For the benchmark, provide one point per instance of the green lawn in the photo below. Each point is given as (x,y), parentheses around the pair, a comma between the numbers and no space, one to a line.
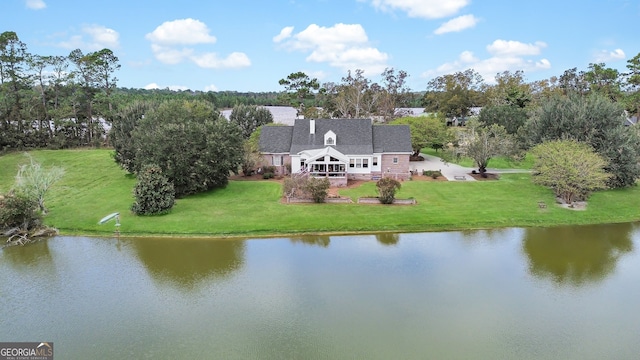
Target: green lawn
(95,186)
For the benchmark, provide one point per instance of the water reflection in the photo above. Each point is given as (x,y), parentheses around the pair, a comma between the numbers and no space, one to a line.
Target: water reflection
(316,240)
(576,255)
(184,263)
(31,256)
(388,239)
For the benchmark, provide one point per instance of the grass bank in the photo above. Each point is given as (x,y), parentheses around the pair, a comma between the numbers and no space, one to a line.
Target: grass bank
(95,186)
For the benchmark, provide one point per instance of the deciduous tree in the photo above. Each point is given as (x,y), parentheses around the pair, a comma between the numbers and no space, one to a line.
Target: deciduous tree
(351,94)
(454,94)
(488,142)
(33,181)
(394,93)
(426,131)
(572,169)
(510,89)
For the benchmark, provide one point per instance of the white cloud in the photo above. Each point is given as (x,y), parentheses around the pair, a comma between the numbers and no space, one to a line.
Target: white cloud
(458,24)
(170,87)
(212,61)
(181,32)
(515,48)
(169,55)
(93,37)
(103,36)
(173,41)
(211,88)
(36,4)
(345,46)
(506,56)
(285,33)
(607,56)
(428,9)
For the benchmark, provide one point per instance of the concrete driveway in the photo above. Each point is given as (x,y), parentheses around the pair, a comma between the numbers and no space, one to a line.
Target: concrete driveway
(451,171)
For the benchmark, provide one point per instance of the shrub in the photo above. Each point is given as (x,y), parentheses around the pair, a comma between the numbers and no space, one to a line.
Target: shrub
(303,186)
(294,186)
(318,189)
(19,211)
(267,175)
(433,173)
(387,189)
(154,192)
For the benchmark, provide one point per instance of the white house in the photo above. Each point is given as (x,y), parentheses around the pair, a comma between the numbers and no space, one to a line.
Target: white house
(338,149)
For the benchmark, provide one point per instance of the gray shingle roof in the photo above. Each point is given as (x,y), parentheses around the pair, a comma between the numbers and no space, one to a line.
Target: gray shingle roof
(353,137)
(275,139)
(391,138)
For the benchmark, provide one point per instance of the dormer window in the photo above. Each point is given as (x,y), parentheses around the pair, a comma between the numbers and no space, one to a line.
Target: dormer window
(329,138)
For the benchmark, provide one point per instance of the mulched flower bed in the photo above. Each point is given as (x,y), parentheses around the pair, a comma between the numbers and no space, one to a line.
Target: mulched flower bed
(490,176)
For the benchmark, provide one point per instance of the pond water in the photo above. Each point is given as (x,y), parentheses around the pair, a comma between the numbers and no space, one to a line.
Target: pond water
(541,293)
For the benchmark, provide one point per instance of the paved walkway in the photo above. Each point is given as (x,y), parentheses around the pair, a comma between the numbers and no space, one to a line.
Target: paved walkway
(453,172)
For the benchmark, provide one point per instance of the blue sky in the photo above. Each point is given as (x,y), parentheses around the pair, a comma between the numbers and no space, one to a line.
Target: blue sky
(248,45)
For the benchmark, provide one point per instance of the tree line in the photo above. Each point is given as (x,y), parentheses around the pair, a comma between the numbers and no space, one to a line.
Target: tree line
(69,101)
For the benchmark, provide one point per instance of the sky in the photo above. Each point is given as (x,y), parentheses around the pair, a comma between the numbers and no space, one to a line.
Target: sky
(249,45)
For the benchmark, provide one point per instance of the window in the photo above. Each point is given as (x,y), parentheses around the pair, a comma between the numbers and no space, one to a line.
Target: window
(395,160)
(277,160)
(365,163)
(375,161)
(302,164)
(330,138)
(358,163)
(352,163)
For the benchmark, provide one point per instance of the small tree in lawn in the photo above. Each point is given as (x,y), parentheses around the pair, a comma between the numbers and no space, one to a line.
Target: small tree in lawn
(154,192)
(387,188)
(33,181)
(572,169)
(487,143)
